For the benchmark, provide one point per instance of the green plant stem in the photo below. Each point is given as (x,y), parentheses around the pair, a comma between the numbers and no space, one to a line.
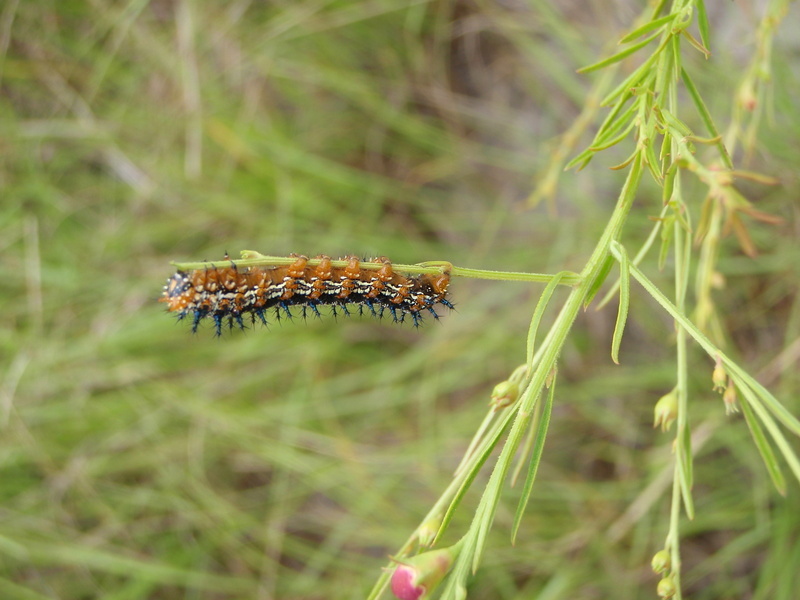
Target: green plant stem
(540,365)
(255,259)
(683,447)
(683,451)
(673,535)
(567,278)
(475,539)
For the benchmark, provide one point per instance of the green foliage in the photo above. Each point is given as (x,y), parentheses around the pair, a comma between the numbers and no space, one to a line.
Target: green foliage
(139,461)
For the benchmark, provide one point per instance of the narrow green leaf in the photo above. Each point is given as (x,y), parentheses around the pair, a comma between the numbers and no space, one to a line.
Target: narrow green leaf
(685,471)
(582,159)
(671,121)
(669,183)
(646,28)
(624,89)
(624,303)
(704,222)
(676,52)
(761,412)
(602,274)
(702,23)
(698,46)
(699,103)
(636,155)
(479,436)
(706,117)
(484,517)
(487,508)
(688,457)
(665,69)
(658,8)
(536,457)
(585,162)
(653,164)
(629,189)
(616,119)
(767,455)
(618,56)
(538,312)
(525,451)
(611,122)
(481,455)
(645,248)
(455,586)
(742,378)
(604,145)
(665,154)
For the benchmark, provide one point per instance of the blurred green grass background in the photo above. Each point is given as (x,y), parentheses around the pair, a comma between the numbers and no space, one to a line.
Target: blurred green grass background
(140,461)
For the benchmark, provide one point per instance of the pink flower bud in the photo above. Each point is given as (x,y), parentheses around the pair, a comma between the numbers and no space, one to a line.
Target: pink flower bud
(415,577)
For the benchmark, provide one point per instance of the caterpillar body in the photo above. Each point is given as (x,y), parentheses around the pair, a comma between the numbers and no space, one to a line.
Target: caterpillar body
(231,294)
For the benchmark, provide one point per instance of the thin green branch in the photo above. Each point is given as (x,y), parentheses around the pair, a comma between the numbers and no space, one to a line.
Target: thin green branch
(536,457)
(624,303)
(255,259)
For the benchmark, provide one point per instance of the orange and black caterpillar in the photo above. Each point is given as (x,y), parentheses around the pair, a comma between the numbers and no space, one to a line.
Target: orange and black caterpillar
(229,294)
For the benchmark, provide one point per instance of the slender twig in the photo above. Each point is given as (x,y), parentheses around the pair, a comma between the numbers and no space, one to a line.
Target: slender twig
(255,259)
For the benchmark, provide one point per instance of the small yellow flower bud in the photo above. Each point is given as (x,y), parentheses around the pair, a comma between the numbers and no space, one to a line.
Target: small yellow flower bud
(729,398)
(661,561)
(666,588)
(504,394)
(719,377)
(666,411)
(428,530)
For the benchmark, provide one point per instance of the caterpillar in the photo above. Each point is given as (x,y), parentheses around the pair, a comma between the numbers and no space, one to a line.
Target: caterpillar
(227,295)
